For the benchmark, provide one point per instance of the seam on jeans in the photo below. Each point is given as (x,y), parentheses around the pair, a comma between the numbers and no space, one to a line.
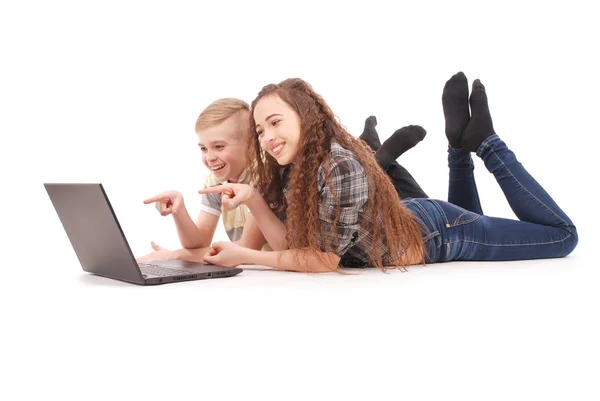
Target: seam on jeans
(459,223)
(425,212)
(503,245)
(456,223)
(458,218)
(445,217)
(434,232)
(526,190)
(448,253)
(439,208)
(431,235)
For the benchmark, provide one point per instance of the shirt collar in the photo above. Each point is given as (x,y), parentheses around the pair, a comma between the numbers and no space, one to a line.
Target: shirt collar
(242,179)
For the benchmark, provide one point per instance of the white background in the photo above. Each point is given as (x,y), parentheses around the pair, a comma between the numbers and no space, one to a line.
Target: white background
(110,91)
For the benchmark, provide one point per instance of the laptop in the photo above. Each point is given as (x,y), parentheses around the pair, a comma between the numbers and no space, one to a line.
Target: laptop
(100,244)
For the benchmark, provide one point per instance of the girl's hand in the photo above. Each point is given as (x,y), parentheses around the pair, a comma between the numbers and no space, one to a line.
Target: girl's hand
(227,254)
(232,194)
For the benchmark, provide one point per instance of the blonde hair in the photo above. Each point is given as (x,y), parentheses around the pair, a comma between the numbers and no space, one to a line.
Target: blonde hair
(220,110)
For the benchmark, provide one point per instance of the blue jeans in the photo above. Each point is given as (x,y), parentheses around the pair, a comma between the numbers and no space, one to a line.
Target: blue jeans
(458,230)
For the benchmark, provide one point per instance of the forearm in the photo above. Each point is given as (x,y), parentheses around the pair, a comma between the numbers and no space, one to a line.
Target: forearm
(189,234)
(250,244)
(299,260)
(272,228)
(192,255)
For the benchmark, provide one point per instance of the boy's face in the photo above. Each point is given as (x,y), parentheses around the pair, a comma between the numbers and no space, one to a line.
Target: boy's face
(223,150)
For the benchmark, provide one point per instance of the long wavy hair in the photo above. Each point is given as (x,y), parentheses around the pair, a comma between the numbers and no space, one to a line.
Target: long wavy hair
(392,224)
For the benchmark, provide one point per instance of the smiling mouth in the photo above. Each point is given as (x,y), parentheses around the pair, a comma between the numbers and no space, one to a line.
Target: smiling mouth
(277,149)
(217,167)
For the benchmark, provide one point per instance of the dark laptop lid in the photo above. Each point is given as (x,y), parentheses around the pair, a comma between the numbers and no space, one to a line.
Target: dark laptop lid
(92,227)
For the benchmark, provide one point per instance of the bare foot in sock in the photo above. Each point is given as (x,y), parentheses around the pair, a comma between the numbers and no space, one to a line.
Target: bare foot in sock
(369,134)
(455,101)
(400,141)
(480,125)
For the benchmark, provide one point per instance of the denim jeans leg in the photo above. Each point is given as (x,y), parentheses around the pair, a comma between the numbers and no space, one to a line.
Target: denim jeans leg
(462,190)
(526,197)
(456,233)
(542,231)
(470,236)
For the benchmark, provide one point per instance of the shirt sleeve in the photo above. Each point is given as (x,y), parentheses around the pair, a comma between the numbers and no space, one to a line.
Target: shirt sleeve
(210,203)
(348,188)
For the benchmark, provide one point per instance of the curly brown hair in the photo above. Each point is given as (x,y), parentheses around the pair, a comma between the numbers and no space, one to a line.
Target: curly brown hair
(319,127)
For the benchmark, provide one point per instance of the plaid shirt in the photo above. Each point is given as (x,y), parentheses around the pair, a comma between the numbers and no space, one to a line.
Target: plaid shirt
(348,183)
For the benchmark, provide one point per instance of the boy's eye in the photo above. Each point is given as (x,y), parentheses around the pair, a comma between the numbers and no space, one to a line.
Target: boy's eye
(202,148)
(219,146)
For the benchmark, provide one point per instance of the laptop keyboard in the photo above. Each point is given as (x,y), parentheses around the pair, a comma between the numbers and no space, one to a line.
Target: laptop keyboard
(155,270)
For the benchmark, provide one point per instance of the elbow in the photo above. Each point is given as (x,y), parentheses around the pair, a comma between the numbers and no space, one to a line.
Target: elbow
(281,244)
(326,263)
(196,244)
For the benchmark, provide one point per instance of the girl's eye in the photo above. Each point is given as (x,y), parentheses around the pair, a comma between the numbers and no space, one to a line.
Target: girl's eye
(275,122)
(259,133)
(203,149)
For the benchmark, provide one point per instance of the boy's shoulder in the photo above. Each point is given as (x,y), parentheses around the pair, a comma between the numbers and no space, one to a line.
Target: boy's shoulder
(210,180)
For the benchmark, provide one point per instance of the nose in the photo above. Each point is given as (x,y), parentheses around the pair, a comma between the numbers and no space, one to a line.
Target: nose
(268,136)
(210,156)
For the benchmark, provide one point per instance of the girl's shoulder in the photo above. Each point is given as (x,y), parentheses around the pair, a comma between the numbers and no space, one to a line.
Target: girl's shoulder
(341,167)
(341,159)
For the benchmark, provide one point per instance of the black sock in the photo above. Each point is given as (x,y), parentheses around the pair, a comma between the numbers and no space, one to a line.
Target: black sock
(480,125)
(369,134)
(455,101)
(400,141)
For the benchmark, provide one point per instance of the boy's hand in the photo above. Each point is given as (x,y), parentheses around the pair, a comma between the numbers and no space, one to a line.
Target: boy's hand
(167,203)
(159,253)
(232,194)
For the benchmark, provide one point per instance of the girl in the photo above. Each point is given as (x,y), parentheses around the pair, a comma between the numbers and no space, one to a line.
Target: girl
(322,200)
(222,129)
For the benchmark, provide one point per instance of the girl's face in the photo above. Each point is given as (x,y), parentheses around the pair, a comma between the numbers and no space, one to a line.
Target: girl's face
(278,129)
(223,150)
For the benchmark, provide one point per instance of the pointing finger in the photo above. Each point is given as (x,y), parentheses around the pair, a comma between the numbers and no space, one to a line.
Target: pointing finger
(154,199)
(214,190)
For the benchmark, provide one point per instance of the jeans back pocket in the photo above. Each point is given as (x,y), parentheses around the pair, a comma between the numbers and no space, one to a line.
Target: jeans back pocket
(454,215)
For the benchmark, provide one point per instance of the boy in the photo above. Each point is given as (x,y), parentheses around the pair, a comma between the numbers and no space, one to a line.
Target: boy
(221,129)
